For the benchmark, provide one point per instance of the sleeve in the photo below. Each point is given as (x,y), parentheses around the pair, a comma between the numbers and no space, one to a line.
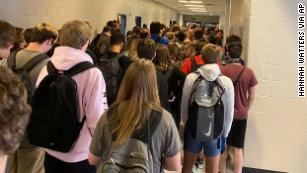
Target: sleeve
(172,141)
(96,143)
(186,67)
(228,100)
(95,101)
(186,93)
(253,82)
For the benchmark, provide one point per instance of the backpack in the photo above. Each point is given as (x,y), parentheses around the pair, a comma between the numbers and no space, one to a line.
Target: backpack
(171,92)
(206,110)
(23,72)
(136,154)
(111,71)
(54,123)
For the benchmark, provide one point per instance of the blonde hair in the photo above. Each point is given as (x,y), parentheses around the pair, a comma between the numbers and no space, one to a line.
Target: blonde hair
(75,34)
(210,53)
(137,96)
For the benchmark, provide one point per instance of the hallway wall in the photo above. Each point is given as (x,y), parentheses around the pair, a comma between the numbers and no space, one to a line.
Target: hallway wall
(28,13)
(277,134)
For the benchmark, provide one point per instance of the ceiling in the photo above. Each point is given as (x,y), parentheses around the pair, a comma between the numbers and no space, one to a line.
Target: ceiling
(209,7)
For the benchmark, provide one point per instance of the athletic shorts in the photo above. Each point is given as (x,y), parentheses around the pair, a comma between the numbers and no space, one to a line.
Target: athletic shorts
(210,148)
(236,136)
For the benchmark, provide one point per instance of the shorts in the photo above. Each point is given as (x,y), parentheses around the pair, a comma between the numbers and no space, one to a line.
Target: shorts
(210,148)
(236,136)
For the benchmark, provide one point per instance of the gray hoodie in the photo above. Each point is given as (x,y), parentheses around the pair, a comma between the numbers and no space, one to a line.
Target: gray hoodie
(210,72)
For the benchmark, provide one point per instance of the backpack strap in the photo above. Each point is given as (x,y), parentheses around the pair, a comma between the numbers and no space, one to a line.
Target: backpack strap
(193,63)
(11,60)
(29,65)
(78,68)
(238,77)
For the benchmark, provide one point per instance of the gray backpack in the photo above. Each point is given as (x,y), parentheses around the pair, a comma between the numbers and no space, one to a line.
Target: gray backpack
(206,110)
(136,154)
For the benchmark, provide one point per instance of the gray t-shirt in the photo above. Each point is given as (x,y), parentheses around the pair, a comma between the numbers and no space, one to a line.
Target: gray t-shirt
(23,56)
(165,140)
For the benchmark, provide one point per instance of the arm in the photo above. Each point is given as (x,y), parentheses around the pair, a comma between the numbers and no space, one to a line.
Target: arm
(251,96)
(93,159)
(172,163)
(228,107)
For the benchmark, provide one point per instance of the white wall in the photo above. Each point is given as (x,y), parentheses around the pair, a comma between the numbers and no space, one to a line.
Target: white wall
(27,13)
(277,127)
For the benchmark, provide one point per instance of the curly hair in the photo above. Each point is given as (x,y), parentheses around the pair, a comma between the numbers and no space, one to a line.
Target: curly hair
(14,111)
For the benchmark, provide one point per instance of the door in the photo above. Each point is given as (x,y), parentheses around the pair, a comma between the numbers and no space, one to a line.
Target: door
(122,22)
(138,21)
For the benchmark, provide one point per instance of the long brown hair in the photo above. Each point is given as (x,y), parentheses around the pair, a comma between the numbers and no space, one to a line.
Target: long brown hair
(163,58)
(137,96)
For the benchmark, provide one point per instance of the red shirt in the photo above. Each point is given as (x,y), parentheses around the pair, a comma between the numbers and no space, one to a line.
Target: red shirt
(247,80)
(187,64)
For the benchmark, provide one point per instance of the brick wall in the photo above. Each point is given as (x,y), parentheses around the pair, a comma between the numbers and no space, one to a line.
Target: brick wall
(277,127)
(27,13)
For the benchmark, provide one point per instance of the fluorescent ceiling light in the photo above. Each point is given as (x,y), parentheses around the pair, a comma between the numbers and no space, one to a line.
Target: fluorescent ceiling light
(195,8)
(189,5)
(199,10)
(192,2)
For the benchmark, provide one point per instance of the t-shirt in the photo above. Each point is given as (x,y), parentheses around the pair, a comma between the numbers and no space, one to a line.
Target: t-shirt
(165,141)
(187,64)
(247,80)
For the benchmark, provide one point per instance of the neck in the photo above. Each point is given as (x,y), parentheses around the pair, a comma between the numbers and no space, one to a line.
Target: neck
(35,47)
(3,159)
(116,48)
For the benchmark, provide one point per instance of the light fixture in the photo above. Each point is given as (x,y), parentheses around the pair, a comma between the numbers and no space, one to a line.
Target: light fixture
(192,2)
(190,5)
(197,8)
(201,11)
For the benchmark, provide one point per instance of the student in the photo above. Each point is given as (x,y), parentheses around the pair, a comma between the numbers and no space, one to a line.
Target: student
(14,113)
(113,65)
(7,33)
(212,148)
(29,158)
(136,99)
(74,38)
(175,79)
(194,61)
(244,81)
(155,33)
(146,48)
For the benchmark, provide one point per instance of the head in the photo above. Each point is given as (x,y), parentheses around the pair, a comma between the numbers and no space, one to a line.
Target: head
(136,30)
(181,36)
(103,44)
(219,33)
(7,33)
(187,50)
(146,48)
(139,91)
(75,34)
(19,41)
(117,40)
(170,36)
(198,33)
(28,35)
(163,58)
(44,35)
(175,28)
(174,51)
(131,46)
(233,38)
(14,111)
(145,26)
(235,50)
(155,27)
(107,30)
(210,54)
(144,34)
(198,46)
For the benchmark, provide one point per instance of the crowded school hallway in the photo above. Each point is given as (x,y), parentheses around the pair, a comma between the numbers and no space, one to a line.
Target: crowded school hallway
(152,86)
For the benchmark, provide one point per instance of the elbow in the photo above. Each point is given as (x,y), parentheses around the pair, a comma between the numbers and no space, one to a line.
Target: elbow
(93,160)
(172,163)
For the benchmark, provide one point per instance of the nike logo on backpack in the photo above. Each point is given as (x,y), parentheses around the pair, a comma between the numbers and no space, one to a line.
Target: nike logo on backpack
(209,131)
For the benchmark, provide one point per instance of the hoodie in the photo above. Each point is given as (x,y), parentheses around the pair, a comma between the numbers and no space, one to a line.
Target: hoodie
(91,99)
(210,72)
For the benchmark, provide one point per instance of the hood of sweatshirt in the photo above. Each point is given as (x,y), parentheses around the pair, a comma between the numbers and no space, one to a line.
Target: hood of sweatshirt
(66,57)
(210,71)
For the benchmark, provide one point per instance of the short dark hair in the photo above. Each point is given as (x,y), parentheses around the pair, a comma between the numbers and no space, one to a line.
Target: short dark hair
(210,53)
(181,36)
(144,25)
(155,27)
(233,38)
(43,32)
(14,111)
(107,29)
(117,38)
(198,46)
(146,48)
(198,33)
(136,30)
(27,34)
(7,34)
(235,50)
(144,34)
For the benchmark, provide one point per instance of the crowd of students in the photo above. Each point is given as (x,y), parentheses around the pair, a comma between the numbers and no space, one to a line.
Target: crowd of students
(142,84)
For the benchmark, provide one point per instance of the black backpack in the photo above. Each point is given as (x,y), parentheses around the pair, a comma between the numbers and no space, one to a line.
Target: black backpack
(206,110)
(54,123)
(112,73)
(23,72)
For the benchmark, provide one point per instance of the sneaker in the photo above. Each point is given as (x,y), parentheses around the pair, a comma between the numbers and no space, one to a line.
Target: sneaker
(195,169)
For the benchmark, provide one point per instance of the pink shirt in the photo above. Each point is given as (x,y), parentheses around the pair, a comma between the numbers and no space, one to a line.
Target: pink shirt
(91,97)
